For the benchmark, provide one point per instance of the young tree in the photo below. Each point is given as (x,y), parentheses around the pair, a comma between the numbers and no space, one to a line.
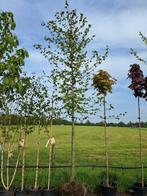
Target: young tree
(103,82)
(52,112)
(41,105)
(137,85)
(7,136)
(11,63)
(33,102)
(25,108)
(67,44)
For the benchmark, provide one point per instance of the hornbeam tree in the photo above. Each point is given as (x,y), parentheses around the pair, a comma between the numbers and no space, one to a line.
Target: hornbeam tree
(67,51)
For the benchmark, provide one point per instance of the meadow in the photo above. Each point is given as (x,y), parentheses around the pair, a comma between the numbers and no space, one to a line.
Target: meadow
(123,149)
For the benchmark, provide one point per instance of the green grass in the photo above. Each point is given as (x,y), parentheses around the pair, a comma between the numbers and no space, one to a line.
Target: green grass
(123,147)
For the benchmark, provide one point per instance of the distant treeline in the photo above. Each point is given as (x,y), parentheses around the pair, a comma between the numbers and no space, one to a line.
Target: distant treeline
(33,120)
(30,120)
(112,124)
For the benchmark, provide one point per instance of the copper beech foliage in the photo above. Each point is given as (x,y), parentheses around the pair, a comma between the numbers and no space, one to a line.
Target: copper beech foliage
(145,88)
(102,82)
(138,81)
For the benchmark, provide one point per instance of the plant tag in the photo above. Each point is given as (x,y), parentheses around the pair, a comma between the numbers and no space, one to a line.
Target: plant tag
(10,154)
(21,143)
(50,141)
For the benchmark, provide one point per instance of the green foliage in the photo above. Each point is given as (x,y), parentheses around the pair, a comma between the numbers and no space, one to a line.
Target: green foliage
(11,59)
(8,135)
(50,81)
(135,53)
(67,42)
(34,101)
(102,82)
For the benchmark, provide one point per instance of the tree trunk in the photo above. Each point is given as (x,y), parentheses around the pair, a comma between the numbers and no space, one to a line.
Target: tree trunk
(73,127)
(49,167)
(7,170)
(50,150)
(140,144)
(2,170)
(15,170)
(73,150)
(8,181)
(53,160)
(106,145)
(23,158)
(51,147)
(37,158)
(9,149)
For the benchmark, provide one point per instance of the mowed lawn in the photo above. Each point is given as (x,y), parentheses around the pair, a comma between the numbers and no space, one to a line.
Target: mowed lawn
(123,148)
(123,145)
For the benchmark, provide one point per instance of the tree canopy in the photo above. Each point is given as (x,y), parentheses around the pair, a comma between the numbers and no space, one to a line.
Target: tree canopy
(11,59)
(67,42)
(102,82)
(138,81)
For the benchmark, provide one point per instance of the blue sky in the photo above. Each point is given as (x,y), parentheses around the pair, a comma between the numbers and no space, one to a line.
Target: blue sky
(115,23)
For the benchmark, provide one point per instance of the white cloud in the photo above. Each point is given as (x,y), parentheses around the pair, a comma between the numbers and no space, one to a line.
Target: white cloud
(119,29)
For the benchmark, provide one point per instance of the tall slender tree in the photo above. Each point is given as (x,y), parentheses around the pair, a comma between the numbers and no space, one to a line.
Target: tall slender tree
(52,112)
(41,104)
(67,51)
(102,82)
(25,108)
(137,85)
(12,60)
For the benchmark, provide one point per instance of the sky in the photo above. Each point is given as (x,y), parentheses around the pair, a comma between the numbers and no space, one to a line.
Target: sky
(115,23)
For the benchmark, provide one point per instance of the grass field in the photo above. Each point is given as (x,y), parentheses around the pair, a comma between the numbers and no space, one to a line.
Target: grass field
(123,151)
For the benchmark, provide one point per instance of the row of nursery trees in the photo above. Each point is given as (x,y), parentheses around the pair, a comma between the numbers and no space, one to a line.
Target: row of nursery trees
(64,92)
